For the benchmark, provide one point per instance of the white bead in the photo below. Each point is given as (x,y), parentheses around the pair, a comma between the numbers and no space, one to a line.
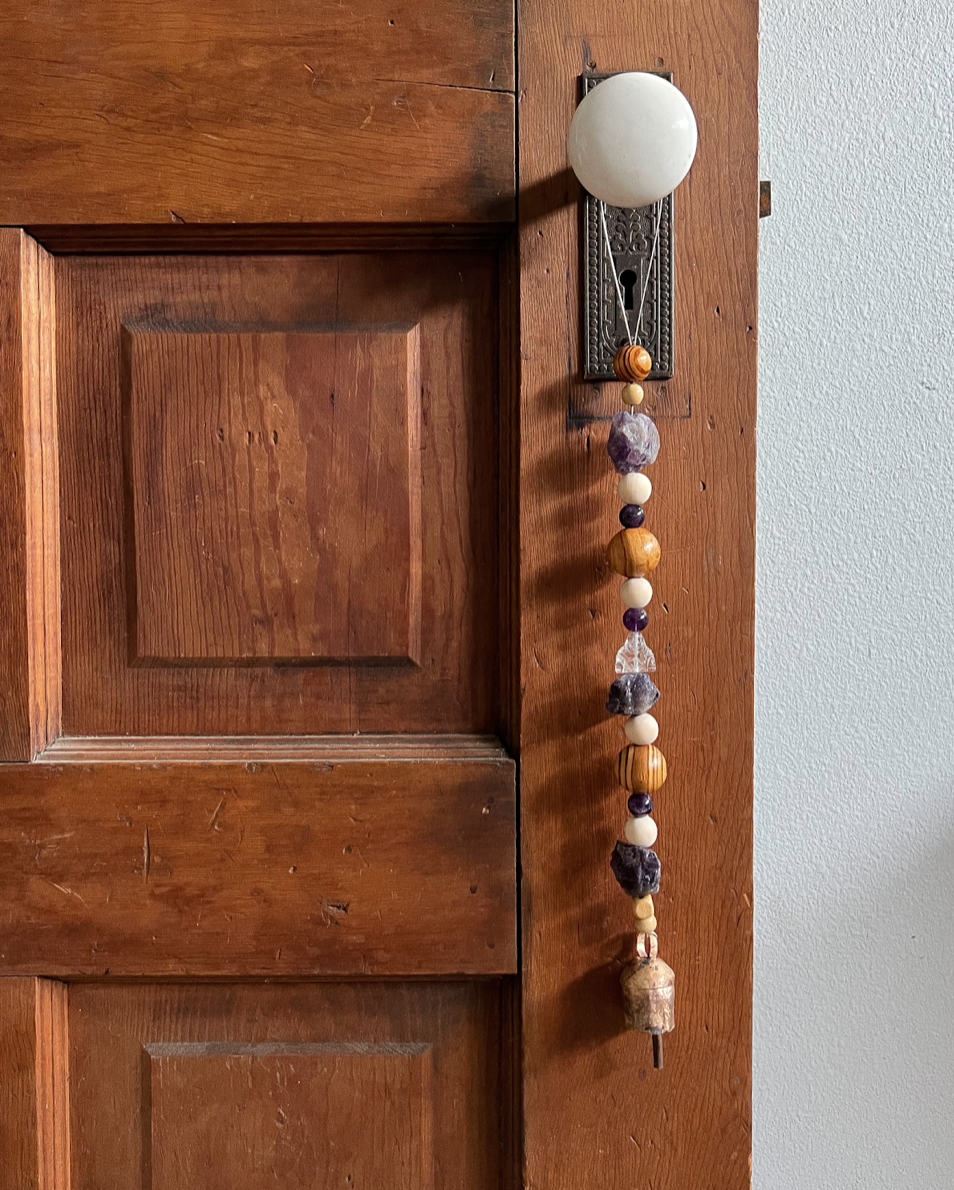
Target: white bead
(636,592)
(632,139)
(641,729)
(641,832)
(634,488)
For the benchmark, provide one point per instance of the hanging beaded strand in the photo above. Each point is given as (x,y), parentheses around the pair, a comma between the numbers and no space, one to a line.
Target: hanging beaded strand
(648,983)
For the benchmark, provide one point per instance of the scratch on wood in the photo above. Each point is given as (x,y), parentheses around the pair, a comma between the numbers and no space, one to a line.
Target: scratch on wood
(443,86)
(146,856)
(214,820)
(332,910)
(69,892)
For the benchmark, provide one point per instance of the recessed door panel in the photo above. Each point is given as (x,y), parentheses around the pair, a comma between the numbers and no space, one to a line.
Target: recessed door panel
(280,499)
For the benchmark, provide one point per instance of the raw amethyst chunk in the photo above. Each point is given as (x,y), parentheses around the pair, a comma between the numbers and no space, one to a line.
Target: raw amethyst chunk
(633,442)
(636,869)
(632,694)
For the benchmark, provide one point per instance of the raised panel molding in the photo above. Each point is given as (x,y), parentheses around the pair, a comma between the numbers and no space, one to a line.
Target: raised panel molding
(301,1115)
(30,673)
(368,1085)
(273,494)
(344,579)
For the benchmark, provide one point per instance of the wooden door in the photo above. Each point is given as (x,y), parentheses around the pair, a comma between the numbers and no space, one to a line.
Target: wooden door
(301,533)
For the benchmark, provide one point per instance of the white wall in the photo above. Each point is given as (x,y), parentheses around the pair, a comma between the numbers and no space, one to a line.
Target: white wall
(854,967)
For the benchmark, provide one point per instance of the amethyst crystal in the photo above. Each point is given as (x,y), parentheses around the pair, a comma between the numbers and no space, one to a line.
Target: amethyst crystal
(636,869)
(635,619)
(632,694)
(633,442)
(631,516)
(639,804)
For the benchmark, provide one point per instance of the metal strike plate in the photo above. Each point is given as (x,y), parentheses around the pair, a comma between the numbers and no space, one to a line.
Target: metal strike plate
(631,236)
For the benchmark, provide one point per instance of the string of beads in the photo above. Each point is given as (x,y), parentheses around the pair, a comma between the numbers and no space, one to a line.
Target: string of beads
(634,553)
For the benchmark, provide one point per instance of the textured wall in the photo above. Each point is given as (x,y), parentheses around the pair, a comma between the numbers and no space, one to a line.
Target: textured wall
(854,970)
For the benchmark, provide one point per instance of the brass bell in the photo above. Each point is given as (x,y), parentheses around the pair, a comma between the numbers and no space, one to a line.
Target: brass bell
(649,995)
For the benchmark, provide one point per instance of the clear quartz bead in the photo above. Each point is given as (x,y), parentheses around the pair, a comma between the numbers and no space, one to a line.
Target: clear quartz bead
(635,657)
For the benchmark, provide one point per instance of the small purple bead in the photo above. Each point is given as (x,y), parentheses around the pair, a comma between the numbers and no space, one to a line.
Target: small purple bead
(639,804)
(629,619)
(631,516)
(640,618)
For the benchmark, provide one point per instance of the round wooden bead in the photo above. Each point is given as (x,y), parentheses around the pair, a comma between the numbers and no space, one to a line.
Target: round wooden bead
(641,770)
(646,925)
(643,908)
(636,592)
(632,395)
(634,488)
(632,363)
(641,729)
(641,832)
(634,552)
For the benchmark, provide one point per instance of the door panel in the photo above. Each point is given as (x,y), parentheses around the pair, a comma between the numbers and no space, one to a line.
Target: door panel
(322,866)
(235,111)
(198,1086)
(310,476)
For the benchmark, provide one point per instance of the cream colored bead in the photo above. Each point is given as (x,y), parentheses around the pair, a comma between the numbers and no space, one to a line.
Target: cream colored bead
(632,395)
(646,925)
(636,592)
(634,488)
(641,729)
(641,832)
(643,908)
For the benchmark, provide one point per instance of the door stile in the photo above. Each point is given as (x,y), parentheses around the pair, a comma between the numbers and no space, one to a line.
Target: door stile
(29,501)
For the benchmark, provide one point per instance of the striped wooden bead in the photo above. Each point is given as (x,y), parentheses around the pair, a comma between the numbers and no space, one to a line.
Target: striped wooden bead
(641,770)
(632,364)
(634,552)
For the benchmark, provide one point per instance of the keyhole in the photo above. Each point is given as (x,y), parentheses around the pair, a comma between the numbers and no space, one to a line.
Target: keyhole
(628,281)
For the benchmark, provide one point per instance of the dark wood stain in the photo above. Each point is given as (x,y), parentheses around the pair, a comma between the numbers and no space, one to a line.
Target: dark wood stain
(590,1116)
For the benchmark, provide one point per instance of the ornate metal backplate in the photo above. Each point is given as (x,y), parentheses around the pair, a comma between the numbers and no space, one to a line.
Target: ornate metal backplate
(631,236)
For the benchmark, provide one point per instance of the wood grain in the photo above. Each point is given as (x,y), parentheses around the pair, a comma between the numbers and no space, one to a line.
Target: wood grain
(29,626)
(245,869)
(331,749)
(451,299)
(229,112)
(271,519)
(595,1111)
(52,1091)
(16,734)
(253,1085)
(207,238)
(19,1151)
(293,1114)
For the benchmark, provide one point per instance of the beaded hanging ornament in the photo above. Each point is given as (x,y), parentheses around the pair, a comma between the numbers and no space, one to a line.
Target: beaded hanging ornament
(648,983)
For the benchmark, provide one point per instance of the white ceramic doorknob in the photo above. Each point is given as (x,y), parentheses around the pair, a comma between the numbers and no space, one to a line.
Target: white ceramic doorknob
(632,139)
